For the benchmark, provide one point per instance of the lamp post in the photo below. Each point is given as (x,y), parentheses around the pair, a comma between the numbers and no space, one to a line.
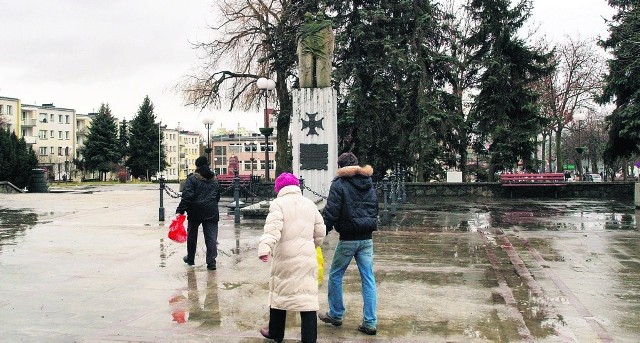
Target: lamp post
(208,122)
(266,85)
(579,117)
(253,146)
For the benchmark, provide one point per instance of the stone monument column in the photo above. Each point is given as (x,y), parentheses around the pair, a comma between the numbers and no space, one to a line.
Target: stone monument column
(314,126)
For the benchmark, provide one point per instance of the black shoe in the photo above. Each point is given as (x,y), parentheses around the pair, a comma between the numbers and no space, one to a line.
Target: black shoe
(367,330)
(211,266)
(265,333)
(325,317)
(187,261)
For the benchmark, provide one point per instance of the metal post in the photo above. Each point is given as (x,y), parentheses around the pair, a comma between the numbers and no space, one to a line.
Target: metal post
(236,196)
(385,211)
(394,194)
(404,185)
(161,209)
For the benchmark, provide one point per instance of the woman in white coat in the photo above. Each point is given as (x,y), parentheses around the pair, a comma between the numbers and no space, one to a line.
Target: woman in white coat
(292,231)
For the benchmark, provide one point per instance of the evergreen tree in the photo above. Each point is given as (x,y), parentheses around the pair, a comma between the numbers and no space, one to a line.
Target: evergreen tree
(505,114)
(123,138)
(391,107)
(102,151)
(622,83)
(16,159)
(143,142)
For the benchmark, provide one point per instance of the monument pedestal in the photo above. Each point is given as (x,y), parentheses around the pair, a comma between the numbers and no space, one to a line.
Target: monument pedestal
(314,136)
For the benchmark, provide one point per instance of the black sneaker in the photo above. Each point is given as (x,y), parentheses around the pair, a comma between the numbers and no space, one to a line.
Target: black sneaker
(367,330)
(211,266)
(325,317)
(187,261)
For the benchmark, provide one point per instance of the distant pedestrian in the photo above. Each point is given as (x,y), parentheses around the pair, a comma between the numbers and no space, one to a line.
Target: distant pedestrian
(292,231)
(200,198)
(352,210)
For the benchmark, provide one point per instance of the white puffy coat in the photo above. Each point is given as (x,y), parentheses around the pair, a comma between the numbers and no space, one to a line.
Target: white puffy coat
(292,231)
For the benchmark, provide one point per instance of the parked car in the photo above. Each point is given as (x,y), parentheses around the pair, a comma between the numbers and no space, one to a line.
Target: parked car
(593,177)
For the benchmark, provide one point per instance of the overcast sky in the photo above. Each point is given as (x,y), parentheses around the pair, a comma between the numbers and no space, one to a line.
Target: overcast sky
(81,53)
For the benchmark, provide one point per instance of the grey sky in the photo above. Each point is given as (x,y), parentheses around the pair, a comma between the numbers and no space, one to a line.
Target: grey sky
(81,53)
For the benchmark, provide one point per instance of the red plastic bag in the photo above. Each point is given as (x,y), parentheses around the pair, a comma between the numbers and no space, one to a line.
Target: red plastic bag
(177,232)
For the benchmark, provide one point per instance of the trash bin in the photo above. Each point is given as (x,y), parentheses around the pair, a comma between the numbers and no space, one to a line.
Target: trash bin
(38,181)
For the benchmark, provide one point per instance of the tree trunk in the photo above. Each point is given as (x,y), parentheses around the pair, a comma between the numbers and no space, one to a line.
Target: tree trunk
(559,157)
(542,155)
(283,155)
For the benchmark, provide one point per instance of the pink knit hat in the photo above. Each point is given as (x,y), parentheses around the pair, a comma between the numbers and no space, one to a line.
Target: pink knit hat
(286,179)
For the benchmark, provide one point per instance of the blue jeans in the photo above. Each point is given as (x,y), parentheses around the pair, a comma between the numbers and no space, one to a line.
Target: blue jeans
(363,253)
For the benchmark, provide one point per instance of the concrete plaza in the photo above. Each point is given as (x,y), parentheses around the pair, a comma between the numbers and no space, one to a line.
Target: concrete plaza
(94,264)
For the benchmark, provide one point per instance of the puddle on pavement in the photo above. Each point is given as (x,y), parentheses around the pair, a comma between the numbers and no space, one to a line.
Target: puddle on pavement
(14,223)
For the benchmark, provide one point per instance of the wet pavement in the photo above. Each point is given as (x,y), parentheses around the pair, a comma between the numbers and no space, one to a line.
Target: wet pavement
(98,267)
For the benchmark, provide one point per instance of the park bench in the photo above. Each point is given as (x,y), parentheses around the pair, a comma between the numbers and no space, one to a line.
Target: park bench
(226,180)
(533,180)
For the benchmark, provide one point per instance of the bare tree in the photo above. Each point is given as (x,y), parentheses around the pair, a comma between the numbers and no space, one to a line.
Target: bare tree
(252,39)
(573,85)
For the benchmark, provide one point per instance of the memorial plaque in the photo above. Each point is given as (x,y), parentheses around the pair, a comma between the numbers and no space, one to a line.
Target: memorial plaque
(314,156)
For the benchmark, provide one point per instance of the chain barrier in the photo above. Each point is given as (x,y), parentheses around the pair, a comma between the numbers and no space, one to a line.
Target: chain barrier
(170,192)
(253,195)
(224,192)
(315,193)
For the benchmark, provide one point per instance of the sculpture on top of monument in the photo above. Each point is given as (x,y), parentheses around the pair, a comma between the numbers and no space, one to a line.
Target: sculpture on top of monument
(315,51)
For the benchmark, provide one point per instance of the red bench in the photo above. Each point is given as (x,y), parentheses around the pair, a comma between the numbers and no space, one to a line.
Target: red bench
(533,180)
(226,180)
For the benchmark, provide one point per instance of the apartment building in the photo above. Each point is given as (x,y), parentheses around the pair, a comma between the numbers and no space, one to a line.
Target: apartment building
(181,149)
(249,148)
(9,108)
(51,133)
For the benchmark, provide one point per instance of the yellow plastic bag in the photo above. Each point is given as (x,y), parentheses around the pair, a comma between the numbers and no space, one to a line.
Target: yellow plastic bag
(320,265)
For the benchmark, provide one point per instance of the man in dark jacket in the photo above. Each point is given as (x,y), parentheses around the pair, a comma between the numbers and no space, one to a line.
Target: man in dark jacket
(352,210)
(200,198)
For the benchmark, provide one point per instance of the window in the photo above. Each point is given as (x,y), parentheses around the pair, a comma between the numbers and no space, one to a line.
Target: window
(235,148)
(220,150)
(9,109)
(51,134)
(59,134)
(52,118)
(66,151)
(59,118)
(51,151)
(42,134)
(66,119)
(66,135)
(24,115)
(43,150)
(43,117)
(1,109)
(59,151)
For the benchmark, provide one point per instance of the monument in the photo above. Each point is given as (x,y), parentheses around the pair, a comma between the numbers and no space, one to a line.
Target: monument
(314,127)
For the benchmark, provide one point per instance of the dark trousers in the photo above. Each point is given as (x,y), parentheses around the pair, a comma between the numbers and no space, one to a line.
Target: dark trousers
(309,327)
(210,231)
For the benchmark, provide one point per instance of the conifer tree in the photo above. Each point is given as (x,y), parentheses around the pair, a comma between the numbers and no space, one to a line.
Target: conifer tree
(505,114)
(16,159)
(143,142)
(102,151)
(622,82)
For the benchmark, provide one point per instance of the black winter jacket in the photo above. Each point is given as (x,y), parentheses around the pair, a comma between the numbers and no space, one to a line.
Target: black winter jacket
(352,205)
(200,196)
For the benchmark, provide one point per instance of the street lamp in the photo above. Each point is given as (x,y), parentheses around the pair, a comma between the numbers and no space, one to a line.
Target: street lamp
(266,85)
(208,122)
(579,117)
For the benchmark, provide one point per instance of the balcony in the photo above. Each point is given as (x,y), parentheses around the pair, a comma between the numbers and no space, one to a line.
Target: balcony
(29,122)
(30,139)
